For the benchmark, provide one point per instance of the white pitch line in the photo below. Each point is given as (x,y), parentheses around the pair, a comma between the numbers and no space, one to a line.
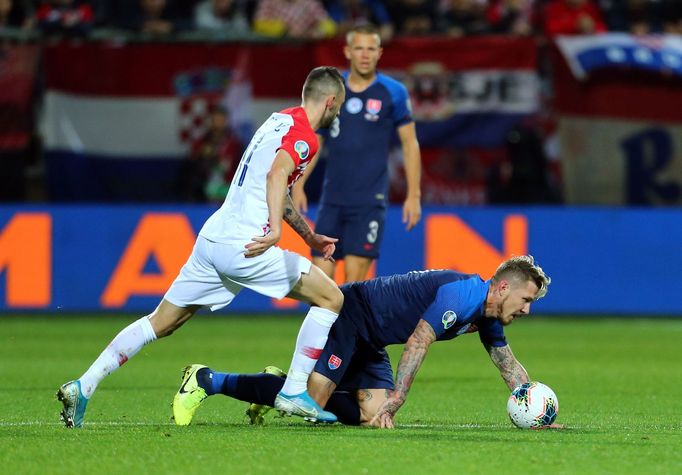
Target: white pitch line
(155,424)
(89,424)
(452,426)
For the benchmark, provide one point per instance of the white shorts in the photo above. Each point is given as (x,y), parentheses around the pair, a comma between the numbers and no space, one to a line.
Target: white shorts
(215,273)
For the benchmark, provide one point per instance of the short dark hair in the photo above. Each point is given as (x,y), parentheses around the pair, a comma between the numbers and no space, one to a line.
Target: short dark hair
(322,81)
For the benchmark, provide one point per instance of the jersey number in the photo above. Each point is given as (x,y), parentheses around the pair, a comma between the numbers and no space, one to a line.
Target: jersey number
(244,164)
(373,232)
(335,128)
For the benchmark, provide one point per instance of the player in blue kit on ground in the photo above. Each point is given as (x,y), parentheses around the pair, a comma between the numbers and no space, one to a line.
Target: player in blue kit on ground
(353,378)
(356,182)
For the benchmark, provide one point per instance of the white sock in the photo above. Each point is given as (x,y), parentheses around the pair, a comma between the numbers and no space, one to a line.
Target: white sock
(123,347)
(311,340)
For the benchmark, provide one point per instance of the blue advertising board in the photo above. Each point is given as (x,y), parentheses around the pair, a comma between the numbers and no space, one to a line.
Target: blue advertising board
(122,258)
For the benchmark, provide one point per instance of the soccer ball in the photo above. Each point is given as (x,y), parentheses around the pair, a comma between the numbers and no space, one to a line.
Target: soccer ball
(532,406)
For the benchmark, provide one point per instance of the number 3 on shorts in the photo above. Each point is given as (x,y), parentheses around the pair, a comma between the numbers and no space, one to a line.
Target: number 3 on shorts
(373,232)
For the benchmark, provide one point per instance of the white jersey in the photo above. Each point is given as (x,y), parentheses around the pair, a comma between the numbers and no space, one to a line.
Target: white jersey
(244,214)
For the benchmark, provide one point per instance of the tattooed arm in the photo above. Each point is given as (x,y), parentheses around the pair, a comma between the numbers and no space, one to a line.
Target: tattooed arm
(412,358)
(294,219)
(320,242)
(510,369)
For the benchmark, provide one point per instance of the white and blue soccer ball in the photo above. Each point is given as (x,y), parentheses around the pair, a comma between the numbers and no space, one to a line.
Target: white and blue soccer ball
(532,406)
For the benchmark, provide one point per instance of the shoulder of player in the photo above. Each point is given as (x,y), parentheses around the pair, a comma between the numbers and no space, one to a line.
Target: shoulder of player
(465,286)
(299,127)
(393,86)
(449,276)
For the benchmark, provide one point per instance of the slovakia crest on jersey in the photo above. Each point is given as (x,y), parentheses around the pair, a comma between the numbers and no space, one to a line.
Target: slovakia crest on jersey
(302,149)
(373,106)
(354,105)
(334,362)
(449,319)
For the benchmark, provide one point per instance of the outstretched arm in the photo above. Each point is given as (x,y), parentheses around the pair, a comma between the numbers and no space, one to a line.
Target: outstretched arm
(413,355)
(513,373)
(511,370)
(294,219)
(320,242)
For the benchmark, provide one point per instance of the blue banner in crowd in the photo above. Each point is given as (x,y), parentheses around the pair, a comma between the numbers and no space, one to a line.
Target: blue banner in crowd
(122,258)
(660,53)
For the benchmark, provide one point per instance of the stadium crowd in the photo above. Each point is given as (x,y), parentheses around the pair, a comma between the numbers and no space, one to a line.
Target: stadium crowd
(213,157)
(312,19)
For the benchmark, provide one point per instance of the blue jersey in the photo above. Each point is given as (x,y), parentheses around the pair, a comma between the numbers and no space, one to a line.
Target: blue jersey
(386,310)
(358,142)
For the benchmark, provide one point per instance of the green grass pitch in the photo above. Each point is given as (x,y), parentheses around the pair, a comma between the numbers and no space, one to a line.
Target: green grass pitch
(618,381)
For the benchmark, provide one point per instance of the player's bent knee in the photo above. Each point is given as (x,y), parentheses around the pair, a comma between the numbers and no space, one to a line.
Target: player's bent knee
(331,298)
(169,317)
(335,299)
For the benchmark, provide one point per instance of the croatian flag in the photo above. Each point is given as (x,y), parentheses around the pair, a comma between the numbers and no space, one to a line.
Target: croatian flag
(120,119)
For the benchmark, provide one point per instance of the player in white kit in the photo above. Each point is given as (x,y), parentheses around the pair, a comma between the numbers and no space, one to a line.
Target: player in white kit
(236,248)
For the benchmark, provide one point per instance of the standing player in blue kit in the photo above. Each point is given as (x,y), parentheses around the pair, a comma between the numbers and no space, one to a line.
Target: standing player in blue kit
(355,191)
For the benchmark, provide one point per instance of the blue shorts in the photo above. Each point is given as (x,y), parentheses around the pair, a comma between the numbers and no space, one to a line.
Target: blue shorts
(351,362)
(360,229)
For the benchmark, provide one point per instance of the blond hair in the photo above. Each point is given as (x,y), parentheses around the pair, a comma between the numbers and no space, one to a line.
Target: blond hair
(364,29)
(524,269)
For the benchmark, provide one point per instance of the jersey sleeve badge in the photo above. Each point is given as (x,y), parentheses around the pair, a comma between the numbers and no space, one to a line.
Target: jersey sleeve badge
(302,149)
(449,319)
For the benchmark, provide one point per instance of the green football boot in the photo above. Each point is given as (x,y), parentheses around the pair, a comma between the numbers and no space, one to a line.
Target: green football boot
(256,412)
(189,397)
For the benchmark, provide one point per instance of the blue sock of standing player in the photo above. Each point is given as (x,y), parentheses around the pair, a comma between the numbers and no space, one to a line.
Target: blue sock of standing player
(262,388)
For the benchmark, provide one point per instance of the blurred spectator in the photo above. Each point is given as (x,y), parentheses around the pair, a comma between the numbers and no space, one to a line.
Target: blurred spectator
(154,18)
(525,179)
(293,19)
(415,17)
(103,11)
(213,160)
(511,17)
(221,16)
(64,17)
(462,18)
(15,14)
(672,16)
(573,17)
(639,17)
(350,13)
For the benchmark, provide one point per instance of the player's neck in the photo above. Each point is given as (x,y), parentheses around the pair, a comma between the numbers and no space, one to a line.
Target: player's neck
(313,114)
(358,82)
(489,304)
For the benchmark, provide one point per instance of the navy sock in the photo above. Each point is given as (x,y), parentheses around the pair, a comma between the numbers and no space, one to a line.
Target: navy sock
(345,407)
(260,388)
(212,381)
